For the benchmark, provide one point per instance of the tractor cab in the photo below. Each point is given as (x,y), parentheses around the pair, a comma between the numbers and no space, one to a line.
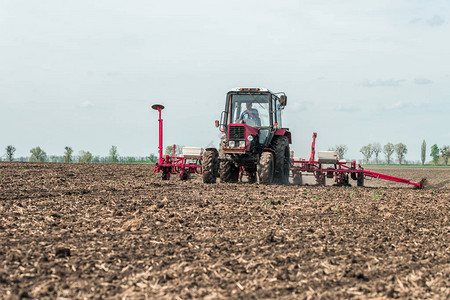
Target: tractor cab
(250,118)
(266,104)
(249,109)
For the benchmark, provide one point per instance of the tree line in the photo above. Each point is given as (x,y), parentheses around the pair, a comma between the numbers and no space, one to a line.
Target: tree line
(439,155)
(39,155)
(389,149)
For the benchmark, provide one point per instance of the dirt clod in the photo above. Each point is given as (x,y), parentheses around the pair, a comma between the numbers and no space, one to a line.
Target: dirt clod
(62,252)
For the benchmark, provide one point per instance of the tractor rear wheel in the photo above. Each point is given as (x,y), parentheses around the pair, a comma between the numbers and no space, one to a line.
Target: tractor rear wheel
(280,144)
(266,168)
(209,166)
(228,172)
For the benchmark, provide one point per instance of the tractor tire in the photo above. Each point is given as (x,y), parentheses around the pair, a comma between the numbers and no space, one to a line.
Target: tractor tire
(209,166)
(280,144)
(360,179)
(266,168)
(228,172)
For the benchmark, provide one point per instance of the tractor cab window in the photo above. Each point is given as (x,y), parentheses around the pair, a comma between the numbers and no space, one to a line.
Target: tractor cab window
(250,109)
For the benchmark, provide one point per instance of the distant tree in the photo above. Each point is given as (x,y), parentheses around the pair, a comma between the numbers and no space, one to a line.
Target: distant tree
(445,151)
(367,152)
(153,158)
(113,155)
(388,150)
(178,148)
(169,150)
(10,152)
(85,157)
(423,152)
(435,153)
(376,148)
(400,150)
(38,155)
(68,154)
(340,150)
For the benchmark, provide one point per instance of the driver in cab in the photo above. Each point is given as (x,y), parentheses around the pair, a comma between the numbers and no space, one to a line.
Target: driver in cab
(250,113)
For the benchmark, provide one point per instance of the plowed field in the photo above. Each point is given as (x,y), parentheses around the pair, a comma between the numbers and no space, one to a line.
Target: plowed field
(115,231)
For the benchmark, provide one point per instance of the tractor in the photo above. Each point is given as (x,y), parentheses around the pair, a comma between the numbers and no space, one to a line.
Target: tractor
(254,142)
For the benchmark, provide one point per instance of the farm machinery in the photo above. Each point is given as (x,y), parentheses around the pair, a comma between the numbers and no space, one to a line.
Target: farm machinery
(329,166)
(188,163)
(255,145)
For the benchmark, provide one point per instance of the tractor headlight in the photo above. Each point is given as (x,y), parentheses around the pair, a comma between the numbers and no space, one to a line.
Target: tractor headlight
(242,144)
(231,143)
(250,138)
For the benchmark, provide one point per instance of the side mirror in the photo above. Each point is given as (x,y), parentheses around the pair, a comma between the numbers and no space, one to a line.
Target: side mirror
(217,123)
(283,100)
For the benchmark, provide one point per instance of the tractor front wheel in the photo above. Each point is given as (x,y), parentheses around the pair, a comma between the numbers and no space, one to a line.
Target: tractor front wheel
(209,166)
(228,172)
(266,168)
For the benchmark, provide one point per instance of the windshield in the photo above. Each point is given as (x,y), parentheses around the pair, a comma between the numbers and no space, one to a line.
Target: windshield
(250,109)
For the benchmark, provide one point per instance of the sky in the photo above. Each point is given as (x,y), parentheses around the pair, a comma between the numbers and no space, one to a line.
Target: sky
(85,73)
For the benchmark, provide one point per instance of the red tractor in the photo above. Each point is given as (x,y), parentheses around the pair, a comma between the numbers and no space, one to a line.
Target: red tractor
(254,143)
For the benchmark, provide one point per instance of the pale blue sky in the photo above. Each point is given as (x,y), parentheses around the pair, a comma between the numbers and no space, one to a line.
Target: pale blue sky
(85,73)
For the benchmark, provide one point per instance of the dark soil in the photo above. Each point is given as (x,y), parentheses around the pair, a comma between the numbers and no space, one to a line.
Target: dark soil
(115,231)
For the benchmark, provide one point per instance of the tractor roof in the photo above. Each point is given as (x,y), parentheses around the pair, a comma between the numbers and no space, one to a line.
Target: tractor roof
(239,89)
